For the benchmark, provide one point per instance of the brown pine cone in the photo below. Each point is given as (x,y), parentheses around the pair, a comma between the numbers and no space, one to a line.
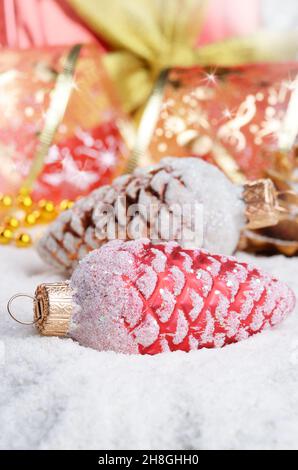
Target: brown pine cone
(161,189)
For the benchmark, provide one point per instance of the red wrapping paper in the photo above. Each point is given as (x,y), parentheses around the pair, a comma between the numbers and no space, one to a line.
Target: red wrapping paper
(88,149)
(236,111)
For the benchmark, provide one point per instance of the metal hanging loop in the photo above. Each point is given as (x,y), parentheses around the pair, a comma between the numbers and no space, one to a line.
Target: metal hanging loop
(9,305)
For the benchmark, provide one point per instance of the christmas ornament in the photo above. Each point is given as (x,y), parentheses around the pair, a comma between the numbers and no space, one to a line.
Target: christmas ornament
(187,200)
(233,117)
(282,237)
(62,133)
(140,298)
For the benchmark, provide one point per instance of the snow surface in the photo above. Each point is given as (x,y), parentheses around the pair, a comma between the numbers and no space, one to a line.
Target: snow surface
(55,394)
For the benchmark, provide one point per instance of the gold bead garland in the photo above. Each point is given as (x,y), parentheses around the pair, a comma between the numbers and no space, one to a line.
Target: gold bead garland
(23,240)
(6,235)
(20,213)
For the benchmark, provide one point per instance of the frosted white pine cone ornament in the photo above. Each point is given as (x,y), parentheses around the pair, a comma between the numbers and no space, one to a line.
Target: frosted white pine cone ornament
(181,199)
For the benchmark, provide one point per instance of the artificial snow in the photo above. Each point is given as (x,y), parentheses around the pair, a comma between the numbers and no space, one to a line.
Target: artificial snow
(56,394)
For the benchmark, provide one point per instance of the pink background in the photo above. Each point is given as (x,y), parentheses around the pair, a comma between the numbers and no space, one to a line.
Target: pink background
(49,22)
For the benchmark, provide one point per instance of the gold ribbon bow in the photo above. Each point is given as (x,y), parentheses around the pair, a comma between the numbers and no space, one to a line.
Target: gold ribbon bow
(147,36)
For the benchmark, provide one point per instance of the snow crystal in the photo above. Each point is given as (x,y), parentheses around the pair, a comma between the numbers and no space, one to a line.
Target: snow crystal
(197,303)
(206,279)
(219,340)
(181,329)
(232,324)
(71,242)
(193,343)
(159,181)
(222,307)
(168,304)
(257,320)
(58,226)
(160,260)
(207,335)
(240,272)
(187,264)
(232,283)
(242,334)
(90,238)
(179,279)
(133,306)
(256,287)
(164,345)
(246,307)
(214,267)
(170,247)
(77,224)
(147,282)
(147,333)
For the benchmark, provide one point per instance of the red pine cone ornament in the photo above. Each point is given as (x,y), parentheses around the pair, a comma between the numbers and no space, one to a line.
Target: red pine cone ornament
(137,297)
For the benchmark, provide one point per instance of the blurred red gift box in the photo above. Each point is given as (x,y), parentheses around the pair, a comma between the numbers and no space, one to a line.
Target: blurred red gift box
(233,117)
(88,146)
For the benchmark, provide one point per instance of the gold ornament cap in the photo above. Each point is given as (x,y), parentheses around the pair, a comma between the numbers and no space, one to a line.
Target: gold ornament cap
(53,307)
(262,206)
